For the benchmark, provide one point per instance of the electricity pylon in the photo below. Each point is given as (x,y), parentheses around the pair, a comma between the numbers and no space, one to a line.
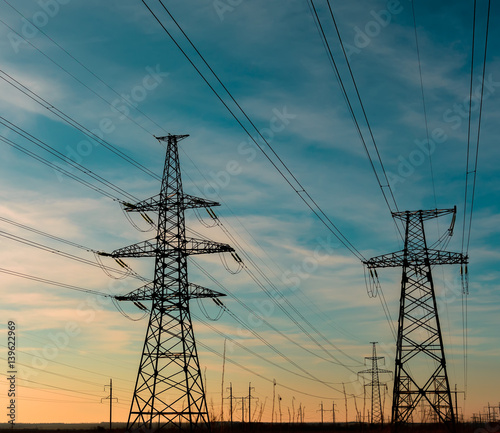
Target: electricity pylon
(169,388)
(377,413)
(419,341)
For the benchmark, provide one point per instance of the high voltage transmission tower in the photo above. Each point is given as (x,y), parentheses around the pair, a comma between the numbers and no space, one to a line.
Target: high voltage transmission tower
(169,389)
(419,340)
(377,412)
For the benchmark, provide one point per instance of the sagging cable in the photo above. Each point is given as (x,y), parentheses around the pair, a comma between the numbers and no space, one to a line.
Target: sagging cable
(464,277)
(122,312)
(372,282)
(224,263)
(202,221)
(205,313)
(126,208)
(105,269)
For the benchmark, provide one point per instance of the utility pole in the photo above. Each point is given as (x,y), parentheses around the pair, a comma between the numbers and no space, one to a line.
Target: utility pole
(332,410)
(250,387)
(231,401)
(377,409)
(169,388)
(345,398)
(279,405)
(419,337)
(110,398)
(321,410)
(274,395)
(456,401)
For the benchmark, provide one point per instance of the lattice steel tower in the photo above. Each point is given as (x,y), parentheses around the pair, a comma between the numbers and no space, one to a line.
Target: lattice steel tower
(169,389)
(419,341)
(377,413)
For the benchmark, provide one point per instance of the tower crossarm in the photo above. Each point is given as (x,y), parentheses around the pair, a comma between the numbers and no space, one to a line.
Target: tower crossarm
(147,292)
(438,257)
(424,214)
(155,203)
(150,248)
(147,248)
(203,246)
(391,260)
(397,259)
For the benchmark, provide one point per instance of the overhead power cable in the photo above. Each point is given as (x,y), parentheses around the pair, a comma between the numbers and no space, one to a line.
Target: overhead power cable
(423,105)
(98,95)
(467,222)
(54,152)
(352,112)
(474,172)
(54,283)
(73,123)
(295,390)
(46,248)
(307,375)
(94,74)
(298,188)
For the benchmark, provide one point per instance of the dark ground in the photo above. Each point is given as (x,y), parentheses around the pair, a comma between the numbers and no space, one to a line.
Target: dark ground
(266,428)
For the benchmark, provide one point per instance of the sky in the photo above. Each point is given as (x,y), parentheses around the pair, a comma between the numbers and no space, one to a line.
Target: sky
(111,68)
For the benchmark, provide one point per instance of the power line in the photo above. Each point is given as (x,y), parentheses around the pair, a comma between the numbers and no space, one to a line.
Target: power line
(351,109)
(479,126)
(53,283)
(73,76)
(299,189)
(73,123)
(423,102)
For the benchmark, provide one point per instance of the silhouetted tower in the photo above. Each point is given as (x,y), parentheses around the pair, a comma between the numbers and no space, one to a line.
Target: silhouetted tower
(419,339)
(169,389)
(377,413)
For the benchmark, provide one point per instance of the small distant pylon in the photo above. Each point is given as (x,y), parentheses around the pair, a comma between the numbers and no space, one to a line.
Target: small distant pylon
(377,412)
(169,389)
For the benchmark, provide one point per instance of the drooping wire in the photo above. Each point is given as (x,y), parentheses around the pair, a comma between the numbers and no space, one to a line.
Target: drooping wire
(467,172)
(299,189)
(203,309)
(73,123)
(125,100)
(424,108)
(151,223)
(124,314)
(54,283)
(295,390)
(281,299)
(351,109)
(478,127)
(202,221)
(226,266)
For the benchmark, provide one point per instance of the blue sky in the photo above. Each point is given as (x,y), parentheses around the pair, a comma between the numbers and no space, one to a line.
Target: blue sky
(271,57)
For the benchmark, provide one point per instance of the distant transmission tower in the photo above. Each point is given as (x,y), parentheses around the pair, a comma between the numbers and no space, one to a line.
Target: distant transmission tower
(169,388)
(419,340)
(377,413)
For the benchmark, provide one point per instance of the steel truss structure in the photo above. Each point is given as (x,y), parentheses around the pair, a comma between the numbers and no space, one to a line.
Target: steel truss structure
(377,412)
(419,340)
(169,389)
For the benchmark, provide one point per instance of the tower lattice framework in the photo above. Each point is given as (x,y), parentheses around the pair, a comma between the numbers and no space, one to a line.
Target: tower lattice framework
(419,347)
(169,389)
(377,413)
